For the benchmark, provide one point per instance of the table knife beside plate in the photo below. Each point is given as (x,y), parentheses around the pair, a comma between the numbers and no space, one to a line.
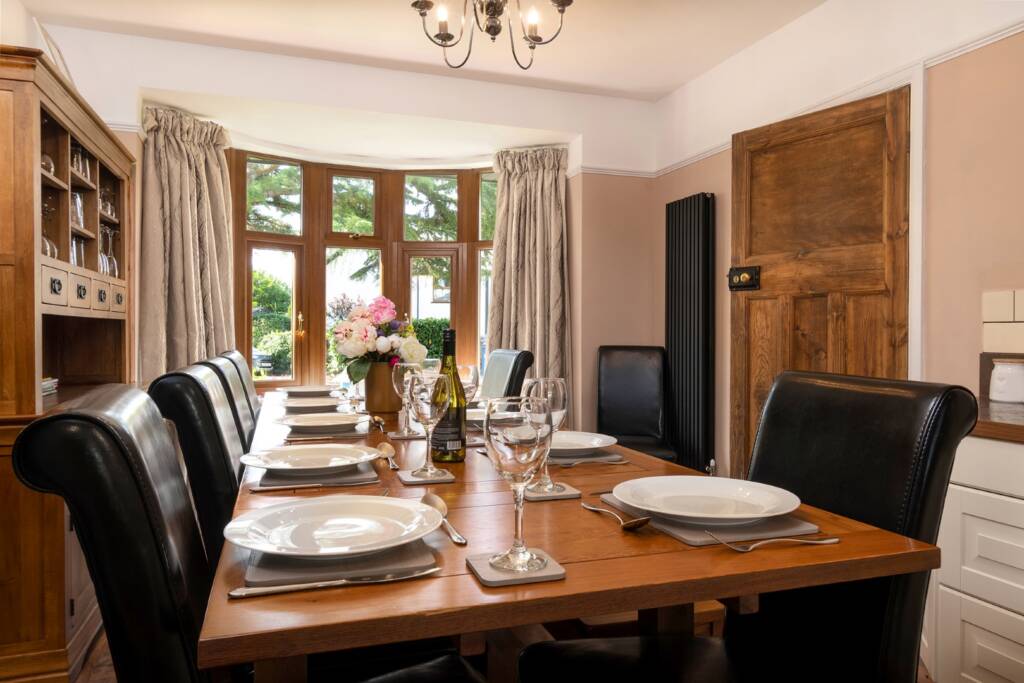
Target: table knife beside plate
(256,591)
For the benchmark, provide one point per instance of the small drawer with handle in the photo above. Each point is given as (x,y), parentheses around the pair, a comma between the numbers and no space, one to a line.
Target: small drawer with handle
(100,295)
(80,292)
(54,286)
(119,299)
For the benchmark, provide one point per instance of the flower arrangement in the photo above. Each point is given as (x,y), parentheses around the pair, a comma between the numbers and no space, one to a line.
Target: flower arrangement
(373,334)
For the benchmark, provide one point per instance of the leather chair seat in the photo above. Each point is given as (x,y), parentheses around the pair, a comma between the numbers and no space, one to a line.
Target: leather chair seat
(444,668)
(652,660)
(649,445)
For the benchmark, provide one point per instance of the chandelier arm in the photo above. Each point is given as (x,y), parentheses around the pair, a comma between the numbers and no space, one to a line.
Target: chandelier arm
(476,16)
(515,55)
(462,30)
(522,26)
(469,51)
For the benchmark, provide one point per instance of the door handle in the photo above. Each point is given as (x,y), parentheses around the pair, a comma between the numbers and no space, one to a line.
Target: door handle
(300,328)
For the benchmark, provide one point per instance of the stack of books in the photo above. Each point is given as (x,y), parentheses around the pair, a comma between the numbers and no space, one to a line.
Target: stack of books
(49,386)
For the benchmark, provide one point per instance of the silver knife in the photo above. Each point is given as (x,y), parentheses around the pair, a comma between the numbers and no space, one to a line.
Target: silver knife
(299,487)
(254,591)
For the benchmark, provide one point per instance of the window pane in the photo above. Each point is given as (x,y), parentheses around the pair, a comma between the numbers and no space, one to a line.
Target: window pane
(353,205)
(431,208)
(273,196)
(483,297)
(430,299)
(353,276)
(488,204)
(273,296)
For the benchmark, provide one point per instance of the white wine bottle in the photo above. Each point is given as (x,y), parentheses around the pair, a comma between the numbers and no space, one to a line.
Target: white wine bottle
(449,441)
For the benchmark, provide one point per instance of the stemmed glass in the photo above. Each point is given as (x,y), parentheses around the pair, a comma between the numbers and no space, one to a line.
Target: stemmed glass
(518,435)
(401,373)
(554,391)
(470,376)
(429,395)
(432,365)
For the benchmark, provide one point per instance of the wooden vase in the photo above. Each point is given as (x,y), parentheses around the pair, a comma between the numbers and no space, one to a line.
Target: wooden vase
(381,396)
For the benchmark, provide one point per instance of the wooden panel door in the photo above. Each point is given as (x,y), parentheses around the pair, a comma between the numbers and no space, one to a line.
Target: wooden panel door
(820,204)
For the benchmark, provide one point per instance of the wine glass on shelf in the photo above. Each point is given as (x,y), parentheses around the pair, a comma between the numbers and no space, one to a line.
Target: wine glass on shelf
(401,374)
(517,432)
(429,395)
(553,390)
(470,376)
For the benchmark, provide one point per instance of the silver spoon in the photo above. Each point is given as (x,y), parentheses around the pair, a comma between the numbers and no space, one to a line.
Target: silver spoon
(378,423)
(746,548)
(389,452)
(438,504)
(627,525)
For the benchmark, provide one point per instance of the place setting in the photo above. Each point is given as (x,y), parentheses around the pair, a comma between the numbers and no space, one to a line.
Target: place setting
(314,427)
(313,466)
(703,511)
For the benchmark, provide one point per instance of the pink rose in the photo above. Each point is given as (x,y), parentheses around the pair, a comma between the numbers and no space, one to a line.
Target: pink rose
(381,310)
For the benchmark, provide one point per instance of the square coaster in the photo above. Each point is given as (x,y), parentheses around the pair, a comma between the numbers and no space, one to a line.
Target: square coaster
(395,436)
(406,477)
(568,492)
(489,576)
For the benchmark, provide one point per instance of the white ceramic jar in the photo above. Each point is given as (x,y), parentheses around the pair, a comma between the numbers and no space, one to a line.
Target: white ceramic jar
(1007,383)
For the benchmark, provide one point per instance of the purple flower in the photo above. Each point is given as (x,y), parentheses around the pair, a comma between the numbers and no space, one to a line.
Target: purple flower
(396,325)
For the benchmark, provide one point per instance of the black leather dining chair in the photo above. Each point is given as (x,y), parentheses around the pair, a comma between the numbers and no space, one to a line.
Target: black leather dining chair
(245,374)
(195,401)
(631,389)
(874,450)
(245,421)
(110,455)
(504,373)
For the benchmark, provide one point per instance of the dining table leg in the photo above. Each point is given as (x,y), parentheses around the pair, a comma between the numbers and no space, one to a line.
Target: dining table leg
(676,621)
(280,670)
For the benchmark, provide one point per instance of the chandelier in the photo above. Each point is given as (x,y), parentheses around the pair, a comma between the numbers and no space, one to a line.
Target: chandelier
(488,16)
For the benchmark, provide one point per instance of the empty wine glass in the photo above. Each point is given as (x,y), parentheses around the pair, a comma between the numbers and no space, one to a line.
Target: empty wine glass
(401,373)
(553,390)
(517,432)
(470,376)
(429,395)
(431,365)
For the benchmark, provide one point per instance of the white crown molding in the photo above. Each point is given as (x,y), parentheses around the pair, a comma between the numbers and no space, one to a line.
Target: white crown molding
(970,46)
(123,127)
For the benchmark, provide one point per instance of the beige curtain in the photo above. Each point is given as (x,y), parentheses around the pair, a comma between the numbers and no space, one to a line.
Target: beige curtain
(530,299)
(185,311)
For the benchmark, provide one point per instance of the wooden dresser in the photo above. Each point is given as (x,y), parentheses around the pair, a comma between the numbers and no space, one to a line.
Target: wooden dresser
(66,183)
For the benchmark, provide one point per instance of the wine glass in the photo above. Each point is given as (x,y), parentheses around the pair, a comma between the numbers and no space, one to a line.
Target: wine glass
(517,432)
(470,376)
(429,395)
(401,373)
(431,365)
(554,391)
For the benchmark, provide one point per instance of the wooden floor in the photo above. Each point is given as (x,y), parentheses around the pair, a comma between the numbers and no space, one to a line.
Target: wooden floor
(99,669)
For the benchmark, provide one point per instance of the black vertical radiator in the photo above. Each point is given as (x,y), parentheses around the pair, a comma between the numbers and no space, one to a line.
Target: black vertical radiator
(690,327)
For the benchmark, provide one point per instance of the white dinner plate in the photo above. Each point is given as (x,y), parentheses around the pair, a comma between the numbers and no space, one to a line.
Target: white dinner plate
(706,500)
(323,423)
(578,444)
(312,458)
(309,390)
(312,404)
(333,526)
(475,417)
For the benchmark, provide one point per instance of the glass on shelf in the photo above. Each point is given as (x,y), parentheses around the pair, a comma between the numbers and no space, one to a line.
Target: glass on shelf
(80,161)
(46,163)
(78,251)
(108,262)
(77,211)
(107,202)
(50,248)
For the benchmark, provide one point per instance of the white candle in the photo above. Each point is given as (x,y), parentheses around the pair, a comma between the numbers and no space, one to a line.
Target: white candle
(532,20)
(442,19)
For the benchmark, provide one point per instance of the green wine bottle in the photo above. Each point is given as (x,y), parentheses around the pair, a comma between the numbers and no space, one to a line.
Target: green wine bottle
(449,441)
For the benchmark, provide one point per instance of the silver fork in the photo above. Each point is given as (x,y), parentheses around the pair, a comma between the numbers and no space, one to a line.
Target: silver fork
(594,462)
(747,547)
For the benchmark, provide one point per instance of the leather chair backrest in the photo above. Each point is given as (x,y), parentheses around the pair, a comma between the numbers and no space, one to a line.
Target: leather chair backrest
(631,391)
(245,374)
(504,373)
(245,421)
(110,456)
(195,400)
(877,451)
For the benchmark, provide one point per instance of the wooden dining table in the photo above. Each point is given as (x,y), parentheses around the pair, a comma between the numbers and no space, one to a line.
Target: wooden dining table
(607,570)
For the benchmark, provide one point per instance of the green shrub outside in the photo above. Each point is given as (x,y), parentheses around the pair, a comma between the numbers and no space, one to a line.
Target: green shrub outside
(429,331)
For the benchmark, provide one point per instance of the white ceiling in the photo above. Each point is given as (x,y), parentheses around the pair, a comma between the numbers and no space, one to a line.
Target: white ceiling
(641,49)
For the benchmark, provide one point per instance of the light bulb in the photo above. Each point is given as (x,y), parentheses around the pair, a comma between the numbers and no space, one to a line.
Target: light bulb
(533,17)
(442,13)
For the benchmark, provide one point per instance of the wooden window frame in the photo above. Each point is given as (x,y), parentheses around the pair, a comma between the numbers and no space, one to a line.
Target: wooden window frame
(389,232)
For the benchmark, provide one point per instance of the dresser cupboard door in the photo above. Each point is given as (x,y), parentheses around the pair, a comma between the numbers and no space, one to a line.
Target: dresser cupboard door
(101,295)
(53,286)
(118,299)
(80,295)
(977,641)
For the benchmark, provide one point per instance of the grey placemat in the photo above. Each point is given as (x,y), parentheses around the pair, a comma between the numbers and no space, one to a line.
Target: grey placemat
(363,473)
(360,432)
(307,410)
(694,535)
(566,492)
(481,567)
(275,570)
(407,478)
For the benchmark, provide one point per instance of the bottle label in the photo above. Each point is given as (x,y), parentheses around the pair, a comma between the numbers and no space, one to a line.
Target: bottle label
(448,436)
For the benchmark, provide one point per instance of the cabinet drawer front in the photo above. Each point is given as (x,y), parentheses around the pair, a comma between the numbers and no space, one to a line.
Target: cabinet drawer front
(118,299)
(978,641)
(983,543)
(80,294)
(100,295)
(53,286)
(991,465)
